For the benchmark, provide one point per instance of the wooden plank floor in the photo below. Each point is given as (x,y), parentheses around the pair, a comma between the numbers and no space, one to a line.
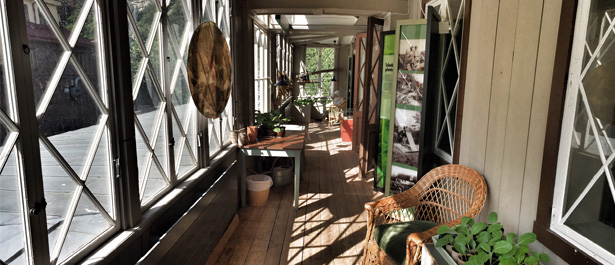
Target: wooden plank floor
(328,228)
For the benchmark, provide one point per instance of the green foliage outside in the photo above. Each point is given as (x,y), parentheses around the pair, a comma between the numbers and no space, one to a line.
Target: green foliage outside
(486,243)
(326,57)
(69,12)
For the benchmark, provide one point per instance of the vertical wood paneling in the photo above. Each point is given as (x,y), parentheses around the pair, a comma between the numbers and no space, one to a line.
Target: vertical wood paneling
(519,110)
(500,93)
(540,105)
(511,53)
(478,83)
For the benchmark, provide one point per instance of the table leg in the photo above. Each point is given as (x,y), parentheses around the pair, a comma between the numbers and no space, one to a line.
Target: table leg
(242,181)
(298,170)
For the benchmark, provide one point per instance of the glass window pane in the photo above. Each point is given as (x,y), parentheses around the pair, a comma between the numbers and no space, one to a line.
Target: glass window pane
(149,104)
(177,17)
(227,120)
(12,229)
(588,202)
(214,136)
(145,14)
(73,117)
(184,125)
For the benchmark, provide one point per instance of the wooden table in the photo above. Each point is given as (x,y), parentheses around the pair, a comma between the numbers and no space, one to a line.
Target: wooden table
(291,145)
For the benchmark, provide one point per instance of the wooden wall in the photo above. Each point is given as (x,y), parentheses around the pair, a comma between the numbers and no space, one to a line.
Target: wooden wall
(511,55)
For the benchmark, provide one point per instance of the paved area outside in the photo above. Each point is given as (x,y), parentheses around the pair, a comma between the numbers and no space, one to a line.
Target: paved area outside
(88,222)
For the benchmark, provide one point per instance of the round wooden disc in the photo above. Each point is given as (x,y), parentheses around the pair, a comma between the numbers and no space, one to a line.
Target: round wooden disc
(209,70)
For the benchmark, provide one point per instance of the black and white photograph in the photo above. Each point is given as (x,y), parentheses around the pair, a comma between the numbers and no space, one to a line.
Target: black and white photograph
(412,55)
(402,179)
(406,137)
(410,89)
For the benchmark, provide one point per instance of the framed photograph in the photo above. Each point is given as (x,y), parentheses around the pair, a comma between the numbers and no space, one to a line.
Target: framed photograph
(410,89)
(402,178)
(406,137)
(411,54)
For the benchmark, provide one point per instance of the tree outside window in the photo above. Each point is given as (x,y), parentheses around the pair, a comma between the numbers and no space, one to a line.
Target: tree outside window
(320,59)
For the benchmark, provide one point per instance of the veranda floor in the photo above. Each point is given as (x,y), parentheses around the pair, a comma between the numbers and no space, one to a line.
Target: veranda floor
(328,228)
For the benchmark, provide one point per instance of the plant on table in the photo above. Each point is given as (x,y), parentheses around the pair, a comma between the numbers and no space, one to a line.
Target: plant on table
(271,120)
(304,101)
(486,243)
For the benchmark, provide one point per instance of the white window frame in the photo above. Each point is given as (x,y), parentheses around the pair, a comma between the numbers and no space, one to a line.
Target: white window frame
(261,70)
(320,82)
(559,214)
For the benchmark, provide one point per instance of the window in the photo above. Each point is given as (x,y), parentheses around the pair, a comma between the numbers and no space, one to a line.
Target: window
(320,60)
(12,218)
(74,150)
(261,70)
(583,201)
(219,128)
(448,83)
(145,33)
(72,109)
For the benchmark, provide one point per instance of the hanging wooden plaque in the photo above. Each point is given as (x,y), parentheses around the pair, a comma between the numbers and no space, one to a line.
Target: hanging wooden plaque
(209,70)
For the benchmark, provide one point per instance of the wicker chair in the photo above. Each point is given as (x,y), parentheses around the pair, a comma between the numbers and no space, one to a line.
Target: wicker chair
(444,196)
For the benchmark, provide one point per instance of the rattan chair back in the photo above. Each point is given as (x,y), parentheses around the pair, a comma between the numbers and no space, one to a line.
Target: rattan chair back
(444,195)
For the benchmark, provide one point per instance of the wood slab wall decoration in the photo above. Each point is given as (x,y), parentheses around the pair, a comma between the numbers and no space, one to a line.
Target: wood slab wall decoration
(209,70)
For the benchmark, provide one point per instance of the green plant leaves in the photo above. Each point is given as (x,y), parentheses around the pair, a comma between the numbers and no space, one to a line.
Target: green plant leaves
(484,246)
(544,257)
(478,227)
(444,240)
(486,240)
(443,229)
(521,253)
(508,262)
(510,237)
(460,247)
(492,218)
(495,227)
(531,260)
(479,259)
(527,239)
(502,247)
(497,235)
(483,237)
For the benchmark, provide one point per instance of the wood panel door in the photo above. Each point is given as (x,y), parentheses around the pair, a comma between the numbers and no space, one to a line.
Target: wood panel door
(369,139)
(359,85)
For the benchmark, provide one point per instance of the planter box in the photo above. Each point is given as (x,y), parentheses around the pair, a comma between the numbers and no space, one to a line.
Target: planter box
(431,255)
(301,114)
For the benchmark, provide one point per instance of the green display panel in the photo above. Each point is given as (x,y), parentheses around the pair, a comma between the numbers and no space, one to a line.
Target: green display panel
(403,134)
(387,73)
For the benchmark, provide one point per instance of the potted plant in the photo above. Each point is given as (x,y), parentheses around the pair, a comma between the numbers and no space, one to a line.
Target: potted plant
(475,243)
(304,107)
(270,123)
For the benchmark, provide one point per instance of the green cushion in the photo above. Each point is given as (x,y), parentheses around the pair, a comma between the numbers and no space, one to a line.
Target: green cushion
(391,238)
